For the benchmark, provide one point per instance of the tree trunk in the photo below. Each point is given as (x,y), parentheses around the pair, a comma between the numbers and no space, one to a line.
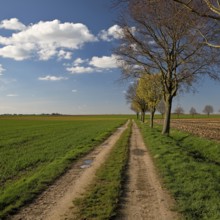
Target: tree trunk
(143,116)
(137,115)
(166,124)
(152,119)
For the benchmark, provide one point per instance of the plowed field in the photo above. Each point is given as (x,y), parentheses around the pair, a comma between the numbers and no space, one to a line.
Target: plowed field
(208,128)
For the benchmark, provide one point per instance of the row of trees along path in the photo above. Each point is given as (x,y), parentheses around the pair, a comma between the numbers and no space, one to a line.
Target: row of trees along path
(173,38)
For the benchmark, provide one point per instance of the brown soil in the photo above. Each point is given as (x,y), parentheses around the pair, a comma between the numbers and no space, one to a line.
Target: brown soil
(56,202)
(207,128)
(144,197)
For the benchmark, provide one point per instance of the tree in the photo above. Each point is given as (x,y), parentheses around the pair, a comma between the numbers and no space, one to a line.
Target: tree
(135,107)
(150,89)
(161,107)
(198,8)
(208,109)
(160,36)
(137,101)
(209,10)
(192,111)
(179,110)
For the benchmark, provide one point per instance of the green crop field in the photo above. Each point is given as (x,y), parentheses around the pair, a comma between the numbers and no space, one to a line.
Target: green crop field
(34,150)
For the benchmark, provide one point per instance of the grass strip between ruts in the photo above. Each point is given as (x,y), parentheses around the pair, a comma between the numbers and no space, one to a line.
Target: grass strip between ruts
(101,199)
(190,168)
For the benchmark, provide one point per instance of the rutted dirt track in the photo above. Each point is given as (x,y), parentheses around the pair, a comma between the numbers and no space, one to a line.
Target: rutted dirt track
(144,197)
(56,202)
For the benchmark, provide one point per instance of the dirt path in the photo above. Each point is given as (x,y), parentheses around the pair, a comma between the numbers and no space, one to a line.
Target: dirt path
(56,202)
(144,198)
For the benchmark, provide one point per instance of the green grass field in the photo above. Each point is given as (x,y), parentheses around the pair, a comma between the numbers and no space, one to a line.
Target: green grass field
(34,150)
(190,168)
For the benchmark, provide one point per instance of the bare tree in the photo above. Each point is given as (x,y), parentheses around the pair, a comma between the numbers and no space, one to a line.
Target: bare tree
(160,36)
(209,9)
(133,98)
(208,109)
(179,110)
(197,7)
(193,111)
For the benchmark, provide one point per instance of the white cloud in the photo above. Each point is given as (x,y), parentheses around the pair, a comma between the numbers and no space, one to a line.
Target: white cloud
(114,32)
(46,53)
(79,61)
(12,24)
(17,52)
(47,39)
(80,69)
(64,55)
(52,78)
(95,64)
(12,95)
(1,69)
(104,62)
(74,90)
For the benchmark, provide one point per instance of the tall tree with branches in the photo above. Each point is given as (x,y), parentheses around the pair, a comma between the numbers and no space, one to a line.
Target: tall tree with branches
(193,111)
(179,110)
(208,109)
(160,36)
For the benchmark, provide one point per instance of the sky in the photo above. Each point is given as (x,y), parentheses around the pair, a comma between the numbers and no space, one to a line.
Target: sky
(57,57)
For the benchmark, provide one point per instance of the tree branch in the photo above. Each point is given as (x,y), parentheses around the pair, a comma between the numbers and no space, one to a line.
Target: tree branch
(212,8)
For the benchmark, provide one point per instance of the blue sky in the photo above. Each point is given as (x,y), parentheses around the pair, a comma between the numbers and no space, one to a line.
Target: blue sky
(56,56)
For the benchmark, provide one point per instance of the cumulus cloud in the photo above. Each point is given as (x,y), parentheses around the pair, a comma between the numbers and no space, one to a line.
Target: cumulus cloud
(52,78)
(1,69)
(45,40)
(79,61)
(12,24)
(95,64)
(17,52)
(64,55)
(80,69)
(114,32)
(104,62)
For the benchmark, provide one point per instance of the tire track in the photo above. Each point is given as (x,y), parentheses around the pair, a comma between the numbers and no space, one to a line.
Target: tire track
(144,197)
